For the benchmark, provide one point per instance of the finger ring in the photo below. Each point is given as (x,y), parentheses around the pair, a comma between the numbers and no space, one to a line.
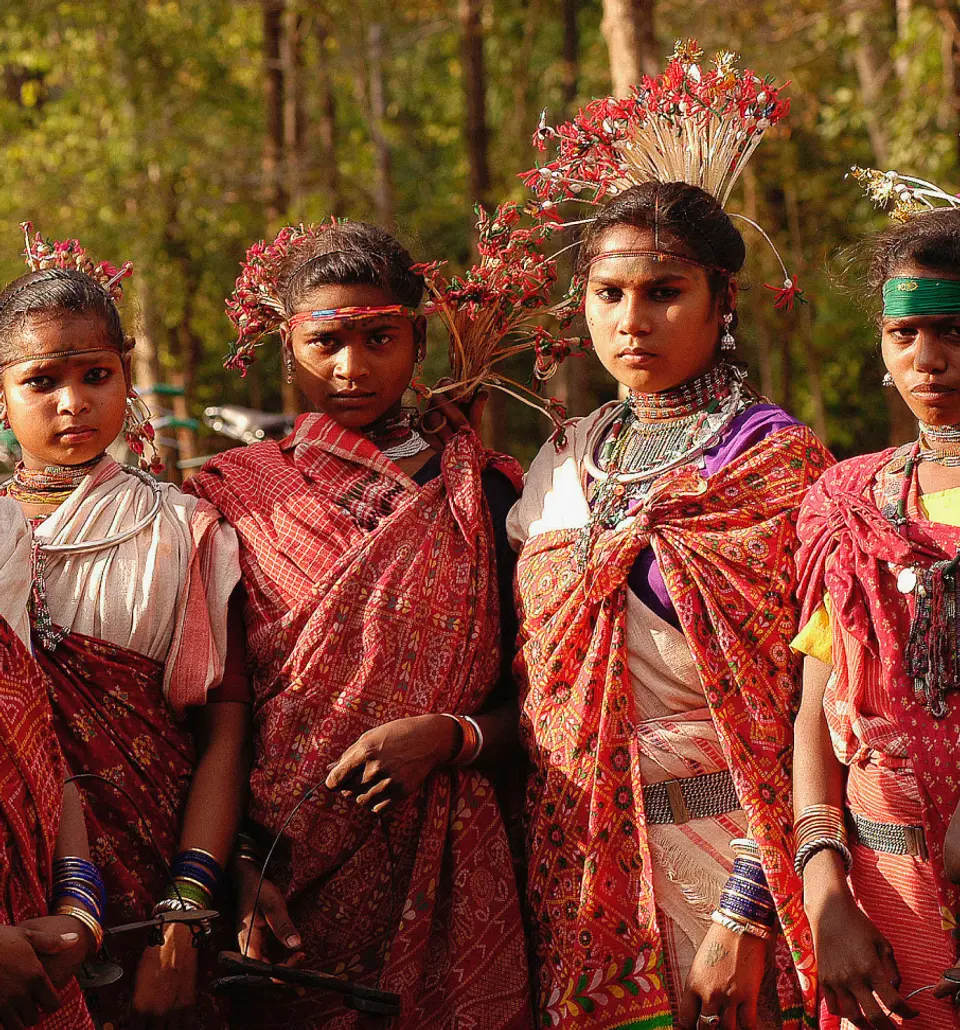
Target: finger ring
(710,1020)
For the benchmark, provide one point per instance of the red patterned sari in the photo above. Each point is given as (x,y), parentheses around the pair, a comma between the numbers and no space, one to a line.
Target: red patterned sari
(31,797)
(725,547)
(371,599)
(902,760)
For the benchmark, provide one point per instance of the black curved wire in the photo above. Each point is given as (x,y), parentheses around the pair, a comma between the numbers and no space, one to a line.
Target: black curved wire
(144,824)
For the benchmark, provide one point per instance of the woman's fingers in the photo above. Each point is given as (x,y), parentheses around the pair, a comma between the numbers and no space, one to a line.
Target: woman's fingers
(873,1014)
(278,919)
(380,792)
(346,768)
(849,1009)
(747,1015)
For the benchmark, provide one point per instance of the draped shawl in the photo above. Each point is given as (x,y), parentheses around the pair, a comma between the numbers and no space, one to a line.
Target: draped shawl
(852,552)
(725,546)
(371,599)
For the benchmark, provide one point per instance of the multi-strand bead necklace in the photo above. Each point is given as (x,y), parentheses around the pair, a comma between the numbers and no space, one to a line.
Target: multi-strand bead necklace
(397,438)
(648,435)
(50,485)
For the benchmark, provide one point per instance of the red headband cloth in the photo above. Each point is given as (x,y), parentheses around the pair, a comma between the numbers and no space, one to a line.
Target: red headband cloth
(352,314)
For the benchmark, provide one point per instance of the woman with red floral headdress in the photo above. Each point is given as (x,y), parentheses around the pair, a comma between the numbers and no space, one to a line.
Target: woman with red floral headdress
(123,584)
(655,586)
(377,576)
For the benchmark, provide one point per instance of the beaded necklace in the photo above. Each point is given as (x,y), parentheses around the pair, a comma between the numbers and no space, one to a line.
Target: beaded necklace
(50,485)
(931,656)
(634,453)
(397,438)
(945,449)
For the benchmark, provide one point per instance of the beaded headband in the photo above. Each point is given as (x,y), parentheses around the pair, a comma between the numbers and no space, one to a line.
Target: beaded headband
(657,255)
(915,295)
(352,314)
(690,124)
(53,355)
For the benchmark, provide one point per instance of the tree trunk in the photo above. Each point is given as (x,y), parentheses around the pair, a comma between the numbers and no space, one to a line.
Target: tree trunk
(873,71)
(475,98)
(805,311)
(275,202)
(950,18)
(291,61)
(378,118)
(628,28)
(326,119)
(571,54)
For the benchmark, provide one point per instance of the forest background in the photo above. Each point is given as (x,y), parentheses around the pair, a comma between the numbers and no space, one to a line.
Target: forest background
(176,132)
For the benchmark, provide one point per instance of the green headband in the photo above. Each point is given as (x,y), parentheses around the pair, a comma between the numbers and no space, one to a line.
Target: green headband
(906,295)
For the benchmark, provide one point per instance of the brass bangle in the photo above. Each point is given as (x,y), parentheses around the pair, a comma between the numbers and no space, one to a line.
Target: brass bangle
(88,919)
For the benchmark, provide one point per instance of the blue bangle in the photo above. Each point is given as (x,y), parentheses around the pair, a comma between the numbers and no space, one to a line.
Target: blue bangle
(750,889)
(750,870)
(747,909)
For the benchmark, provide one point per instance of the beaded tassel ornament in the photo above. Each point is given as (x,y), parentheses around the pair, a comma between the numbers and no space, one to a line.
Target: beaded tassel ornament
(690,124)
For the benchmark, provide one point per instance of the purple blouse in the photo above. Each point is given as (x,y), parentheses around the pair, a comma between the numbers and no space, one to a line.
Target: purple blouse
(747,429)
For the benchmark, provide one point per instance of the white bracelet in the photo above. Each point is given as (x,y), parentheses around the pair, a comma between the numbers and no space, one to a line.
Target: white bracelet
(476,754)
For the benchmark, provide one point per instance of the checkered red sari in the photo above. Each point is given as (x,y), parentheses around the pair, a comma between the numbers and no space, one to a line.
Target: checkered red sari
(31,797)
(372,599)
(725,546)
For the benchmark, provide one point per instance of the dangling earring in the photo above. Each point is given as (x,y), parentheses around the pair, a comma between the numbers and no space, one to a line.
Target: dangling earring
(727,342)
(888,380)
(4,424)
(139,433)
(288,364)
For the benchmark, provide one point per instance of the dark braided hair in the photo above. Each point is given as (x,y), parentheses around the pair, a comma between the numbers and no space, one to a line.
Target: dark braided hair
(53,290)
(930,240)
(350,254)
(685,218)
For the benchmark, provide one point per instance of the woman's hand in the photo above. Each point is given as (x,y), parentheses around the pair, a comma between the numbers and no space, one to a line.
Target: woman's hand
(26,991)
(166,987)
(61,964)
(724,980)
(255,936)
(393,760)
(855,961)
(443,419)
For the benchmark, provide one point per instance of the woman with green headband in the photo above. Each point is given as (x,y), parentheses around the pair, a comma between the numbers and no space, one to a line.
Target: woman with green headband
(878,734)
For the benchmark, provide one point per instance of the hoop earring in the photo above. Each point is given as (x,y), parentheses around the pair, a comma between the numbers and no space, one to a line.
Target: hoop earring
(888,380)
(140,436)
(727,342)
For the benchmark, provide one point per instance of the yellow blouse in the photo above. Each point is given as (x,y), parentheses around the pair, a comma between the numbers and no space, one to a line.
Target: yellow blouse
(816,638)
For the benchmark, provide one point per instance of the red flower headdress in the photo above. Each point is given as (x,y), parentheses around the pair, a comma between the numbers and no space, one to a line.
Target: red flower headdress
(255,307)
(689,124)
(41,253)
(490,311)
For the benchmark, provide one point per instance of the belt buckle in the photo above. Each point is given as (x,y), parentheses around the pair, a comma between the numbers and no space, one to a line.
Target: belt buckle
(915,841)
(678,803)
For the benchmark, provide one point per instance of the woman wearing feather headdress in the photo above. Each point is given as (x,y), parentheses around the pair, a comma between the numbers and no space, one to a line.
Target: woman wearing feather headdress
(656,597)
(378,577)
(122,583)
(878,736)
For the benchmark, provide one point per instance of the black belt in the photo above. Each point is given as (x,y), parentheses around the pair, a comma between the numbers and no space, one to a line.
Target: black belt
(693,797)
(890,838)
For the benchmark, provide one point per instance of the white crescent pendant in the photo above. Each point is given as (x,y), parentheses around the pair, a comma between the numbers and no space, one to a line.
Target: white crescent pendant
(907,580)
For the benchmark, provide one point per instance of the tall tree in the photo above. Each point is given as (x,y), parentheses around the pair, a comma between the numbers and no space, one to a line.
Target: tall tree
(378,119)
(628,27)
(475,98)
(275,201)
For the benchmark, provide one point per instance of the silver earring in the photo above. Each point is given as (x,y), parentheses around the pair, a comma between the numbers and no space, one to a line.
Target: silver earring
(288,365)
(888,380)
(727,342)
(4,424)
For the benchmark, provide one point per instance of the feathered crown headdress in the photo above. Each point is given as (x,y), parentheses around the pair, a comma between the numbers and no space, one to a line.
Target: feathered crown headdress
(902,195)
(689,124)
(41,253)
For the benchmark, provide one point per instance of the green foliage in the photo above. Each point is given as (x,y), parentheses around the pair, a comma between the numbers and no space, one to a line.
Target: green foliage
(139,126)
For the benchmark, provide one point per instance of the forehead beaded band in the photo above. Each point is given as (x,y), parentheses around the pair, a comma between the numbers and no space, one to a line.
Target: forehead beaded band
(657,255)
(350,314)
(56,354)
